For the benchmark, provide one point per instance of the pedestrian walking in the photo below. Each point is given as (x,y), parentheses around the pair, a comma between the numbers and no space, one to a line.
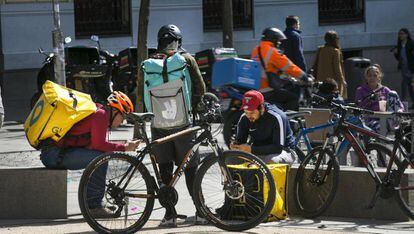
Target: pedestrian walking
(329,62)
(293,45)
(405,58)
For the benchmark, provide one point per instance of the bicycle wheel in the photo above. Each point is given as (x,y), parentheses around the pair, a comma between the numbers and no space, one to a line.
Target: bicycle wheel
(316,182)
(128,205)
(300,154)
(381,154)
(243,201)
(404,187)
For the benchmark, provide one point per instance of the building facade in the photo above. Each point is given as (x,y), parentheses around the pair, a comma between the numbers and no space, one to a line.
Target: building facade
(366,28)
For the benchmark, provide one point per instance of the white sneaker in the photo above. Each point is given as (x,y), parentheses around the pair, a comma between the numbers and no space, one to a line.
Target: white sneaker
(172,222)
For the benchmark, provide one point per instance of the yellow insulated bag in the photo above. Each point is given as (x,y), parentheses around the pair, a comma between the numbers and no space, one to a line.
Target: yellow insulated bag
(235,209)
(56,111)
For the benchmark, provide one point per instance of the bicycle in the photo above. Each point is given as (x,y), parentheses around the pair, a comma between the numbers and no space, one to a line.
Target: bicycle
(302,137)
(130,189)
(317,177)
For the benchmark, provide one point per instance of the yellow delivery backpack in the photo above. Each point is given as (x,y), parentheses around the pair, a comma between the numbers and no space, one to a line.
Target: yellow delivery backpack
(56,111)
(235,209)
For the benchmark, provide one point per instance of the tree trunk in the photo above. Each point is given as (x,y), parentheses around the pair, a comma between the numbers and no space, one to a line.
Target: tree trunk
(227,19)
(142,54)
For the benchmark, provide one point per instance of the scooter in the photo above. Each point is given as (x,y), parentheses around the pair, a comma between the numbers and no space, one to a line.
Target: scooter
(89,69)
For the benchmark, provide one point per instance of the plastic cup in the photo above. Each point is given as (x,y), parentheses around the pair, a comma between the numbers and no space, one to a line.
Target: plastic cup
(382,105)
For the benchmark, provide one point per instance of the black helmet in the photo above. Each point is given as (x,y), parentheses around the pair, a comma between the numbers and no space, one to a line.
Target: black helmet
(273,35)
(169,31)
(168,34)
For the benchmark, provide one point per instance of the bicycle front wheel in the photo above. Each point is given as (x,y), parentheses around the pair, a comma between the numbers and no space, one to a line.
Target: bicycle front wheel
(405,187)
(316,182)
(115,194)
(238,196)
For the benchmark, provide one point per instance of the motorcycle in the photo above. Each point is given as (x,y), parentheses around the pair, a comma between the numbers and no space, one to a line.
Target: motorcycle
(88,69)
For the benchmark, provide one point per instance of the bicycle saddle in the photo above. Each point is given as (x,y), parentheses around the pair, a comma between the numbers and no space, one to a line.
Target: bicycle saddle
(140,117)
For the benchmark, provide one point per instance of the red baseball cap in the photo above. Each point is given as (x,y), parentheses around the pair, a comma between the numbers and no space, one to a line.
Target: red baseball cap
(252,100)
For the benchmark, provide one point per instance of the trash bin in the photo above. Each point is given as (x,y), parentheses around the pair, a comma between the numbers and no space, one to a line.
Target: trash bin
(354,74)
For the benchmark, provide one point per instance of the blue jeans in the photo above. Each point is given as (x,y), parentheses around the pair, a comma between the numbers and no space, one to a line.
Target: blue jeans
(76,159)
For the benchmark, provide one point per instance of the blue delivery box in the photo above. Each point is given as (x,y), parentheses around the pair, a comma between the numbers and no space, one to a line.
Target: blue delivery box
(240,72)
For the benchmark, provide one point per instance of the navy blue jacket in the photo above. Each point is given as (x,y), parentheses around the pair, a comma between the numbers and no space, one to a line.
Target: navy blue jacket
(293,47)
(269,134)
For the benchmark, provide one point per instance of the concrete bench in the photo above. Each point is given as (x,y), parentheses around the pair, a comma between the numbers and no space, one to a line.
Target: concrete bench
(33,193)
(354,193)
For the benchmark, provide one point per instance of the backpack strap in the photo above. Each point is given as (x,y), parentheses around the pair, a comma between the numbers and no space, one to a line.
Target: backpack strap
(261,59)
(165,70)
(272,78)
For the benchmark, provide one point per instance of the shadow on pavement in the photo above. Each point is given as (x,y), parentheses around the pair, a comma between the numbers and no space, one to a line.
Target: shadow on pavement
(39,222)
(345,224)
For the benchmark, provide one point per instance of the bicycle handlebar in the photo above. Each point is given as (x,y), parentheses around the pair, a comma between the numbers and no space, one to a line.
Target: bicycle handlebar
(358,111)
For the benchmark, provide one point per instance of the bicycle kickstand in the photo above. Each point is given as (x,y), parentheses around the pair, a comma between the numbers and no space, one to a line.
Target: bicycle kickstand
(374,198)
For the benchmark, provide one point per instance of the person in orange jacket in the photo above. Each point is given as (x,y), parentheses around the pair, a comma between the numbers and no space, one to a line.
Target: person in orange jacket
(274,63)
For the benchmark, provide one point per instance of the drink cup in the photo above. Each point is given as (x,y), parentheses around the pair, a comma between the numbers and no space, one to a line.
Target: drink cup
(382,105)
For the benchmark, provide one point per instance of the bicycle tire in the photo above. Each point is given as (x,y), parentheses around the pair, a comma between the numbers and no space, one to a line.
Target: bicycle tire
(212,213)
(300,154)
(402,195)
(383,154)
(304,200)
(129,210)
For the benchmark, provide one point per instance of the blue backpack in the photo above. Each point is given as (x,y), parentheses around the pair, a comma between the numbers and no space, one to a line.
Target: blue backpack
(167,91)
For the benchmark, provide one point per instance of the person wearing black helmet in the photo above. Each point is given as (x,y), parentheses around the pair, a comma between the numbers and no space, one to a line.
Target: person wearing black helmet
(274,63)
(170,43)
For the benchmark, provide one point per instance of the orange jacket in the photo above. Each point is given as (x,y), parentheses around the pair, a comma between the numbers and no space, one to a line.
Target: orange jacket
(275,62)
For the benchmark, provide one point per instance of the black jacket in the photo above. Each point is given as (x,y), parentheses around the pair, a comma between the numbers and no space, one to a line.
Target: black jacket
(293,47)
(409,49)
(269,134)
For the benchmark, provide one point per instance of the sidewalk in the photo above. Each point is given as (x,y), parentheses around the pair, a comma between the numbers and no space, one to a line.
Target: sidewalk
(15,151)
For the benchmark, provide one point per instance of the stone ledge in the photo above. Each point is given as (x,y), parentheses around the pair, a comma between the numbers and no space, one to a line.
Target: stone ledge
(354,193)
(33,193)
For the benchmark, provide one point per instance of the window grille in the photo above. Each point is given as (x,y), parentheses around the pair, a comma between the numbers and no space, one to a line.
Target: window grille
(213,11)
(102,17)
(340,11)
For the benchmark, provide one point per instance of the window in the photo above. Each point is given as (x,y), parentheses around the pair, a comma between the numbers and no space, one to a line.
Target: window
(242,14)
(340,11)
(102,17)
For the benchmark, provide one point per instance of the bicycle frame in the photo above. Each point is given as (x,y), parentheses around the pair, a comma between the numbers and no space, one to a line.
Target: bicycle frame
(346,128)
(205,135)
(303,133)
